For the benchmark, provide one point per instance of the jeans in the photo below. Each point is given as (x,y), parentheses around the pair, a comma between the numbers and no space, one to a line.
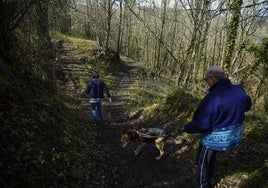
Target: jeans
(96,110)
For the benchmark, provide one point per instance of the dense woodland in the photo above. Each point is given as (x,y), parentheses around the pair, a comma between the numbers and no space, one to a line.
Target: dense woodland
(174,41)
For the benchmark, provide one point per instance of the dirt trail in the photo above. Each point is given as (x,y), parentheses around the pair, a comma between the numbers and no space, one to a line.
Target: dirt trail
(111,166)
(114,166)
(120,167)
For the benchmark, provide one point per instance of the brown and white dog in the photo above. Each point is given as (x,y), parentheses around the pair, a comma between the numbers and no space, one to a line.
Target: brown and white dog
(147,135)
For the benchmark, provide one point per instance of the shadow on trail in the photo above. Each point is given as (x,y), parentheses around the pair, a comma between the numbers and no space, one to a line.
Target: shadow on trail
(109,164)
(119,167)
(122,168)
(112,166)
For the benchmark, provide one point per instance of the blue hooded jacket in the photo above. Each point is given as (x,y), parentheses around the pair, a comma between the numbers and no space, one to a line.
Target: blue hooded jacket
(220,115)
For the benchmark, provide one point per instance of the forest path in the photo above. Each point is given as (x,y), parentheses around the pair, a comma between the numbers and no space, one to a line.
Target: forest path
(114,166)
(120,168)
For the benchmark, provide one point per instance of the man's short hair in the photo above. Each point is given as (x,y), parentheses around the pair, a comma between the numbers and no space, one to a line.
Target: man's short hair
(216,72)
(95,75)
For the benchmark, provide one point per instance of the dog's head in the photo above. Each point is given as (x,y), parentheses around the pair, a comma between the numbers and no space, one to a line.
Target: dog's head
(127,136)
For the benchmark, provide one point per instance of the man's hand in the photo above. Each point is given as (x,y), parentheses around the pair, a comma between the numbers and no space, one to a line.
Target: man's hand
(110,100)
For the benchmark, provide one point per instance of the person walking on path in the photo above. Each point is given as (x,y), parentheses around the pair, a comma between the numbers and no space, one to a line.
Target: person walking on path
(219,119)
(96,89)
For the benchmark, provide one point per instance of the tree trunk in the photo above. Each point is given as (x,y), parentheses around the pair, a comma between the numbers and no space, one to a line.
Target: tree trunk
(44,42)
(118,46)
(232,31)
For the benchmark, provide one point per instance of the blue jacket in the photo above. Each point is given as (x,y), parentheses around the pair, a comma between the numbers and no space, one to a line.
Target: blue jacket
(96,89)
(224,105)
(220,111)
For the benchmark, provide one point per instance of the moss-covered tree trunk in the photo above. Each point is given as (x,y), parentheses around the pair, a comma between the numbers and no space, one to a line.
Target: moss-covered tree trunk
(108,13)
(44,42)
(232,31)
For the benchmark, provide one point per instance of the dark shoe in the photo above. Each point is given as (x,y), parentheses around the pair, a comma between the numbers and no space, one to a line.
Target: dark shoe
(195,183)
(104,124)
(107,124)
(101,123)
(96,123)
(212,182)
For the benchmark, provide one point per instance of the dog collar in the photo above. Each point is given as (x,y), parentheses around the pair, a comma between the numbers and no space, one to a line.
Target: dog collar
(133,133)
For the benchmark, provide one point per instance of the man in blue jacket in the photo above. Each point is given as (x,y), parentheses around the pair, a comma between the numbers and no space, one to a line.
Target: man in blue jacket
(96,89)
(219,119)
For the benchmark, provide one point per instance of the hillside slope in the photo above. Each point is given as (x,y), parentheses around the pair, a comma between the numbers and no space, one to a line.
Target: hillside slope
(114,166)
(48,138)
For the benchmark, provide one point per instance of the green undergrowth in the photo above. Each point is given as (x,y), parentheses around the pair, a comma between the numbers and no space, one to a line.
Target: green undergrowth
(42,139)
(249,162)
(156,103)
(91,58)
(45,138)
(245,166)
(159,104)
(80,46)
